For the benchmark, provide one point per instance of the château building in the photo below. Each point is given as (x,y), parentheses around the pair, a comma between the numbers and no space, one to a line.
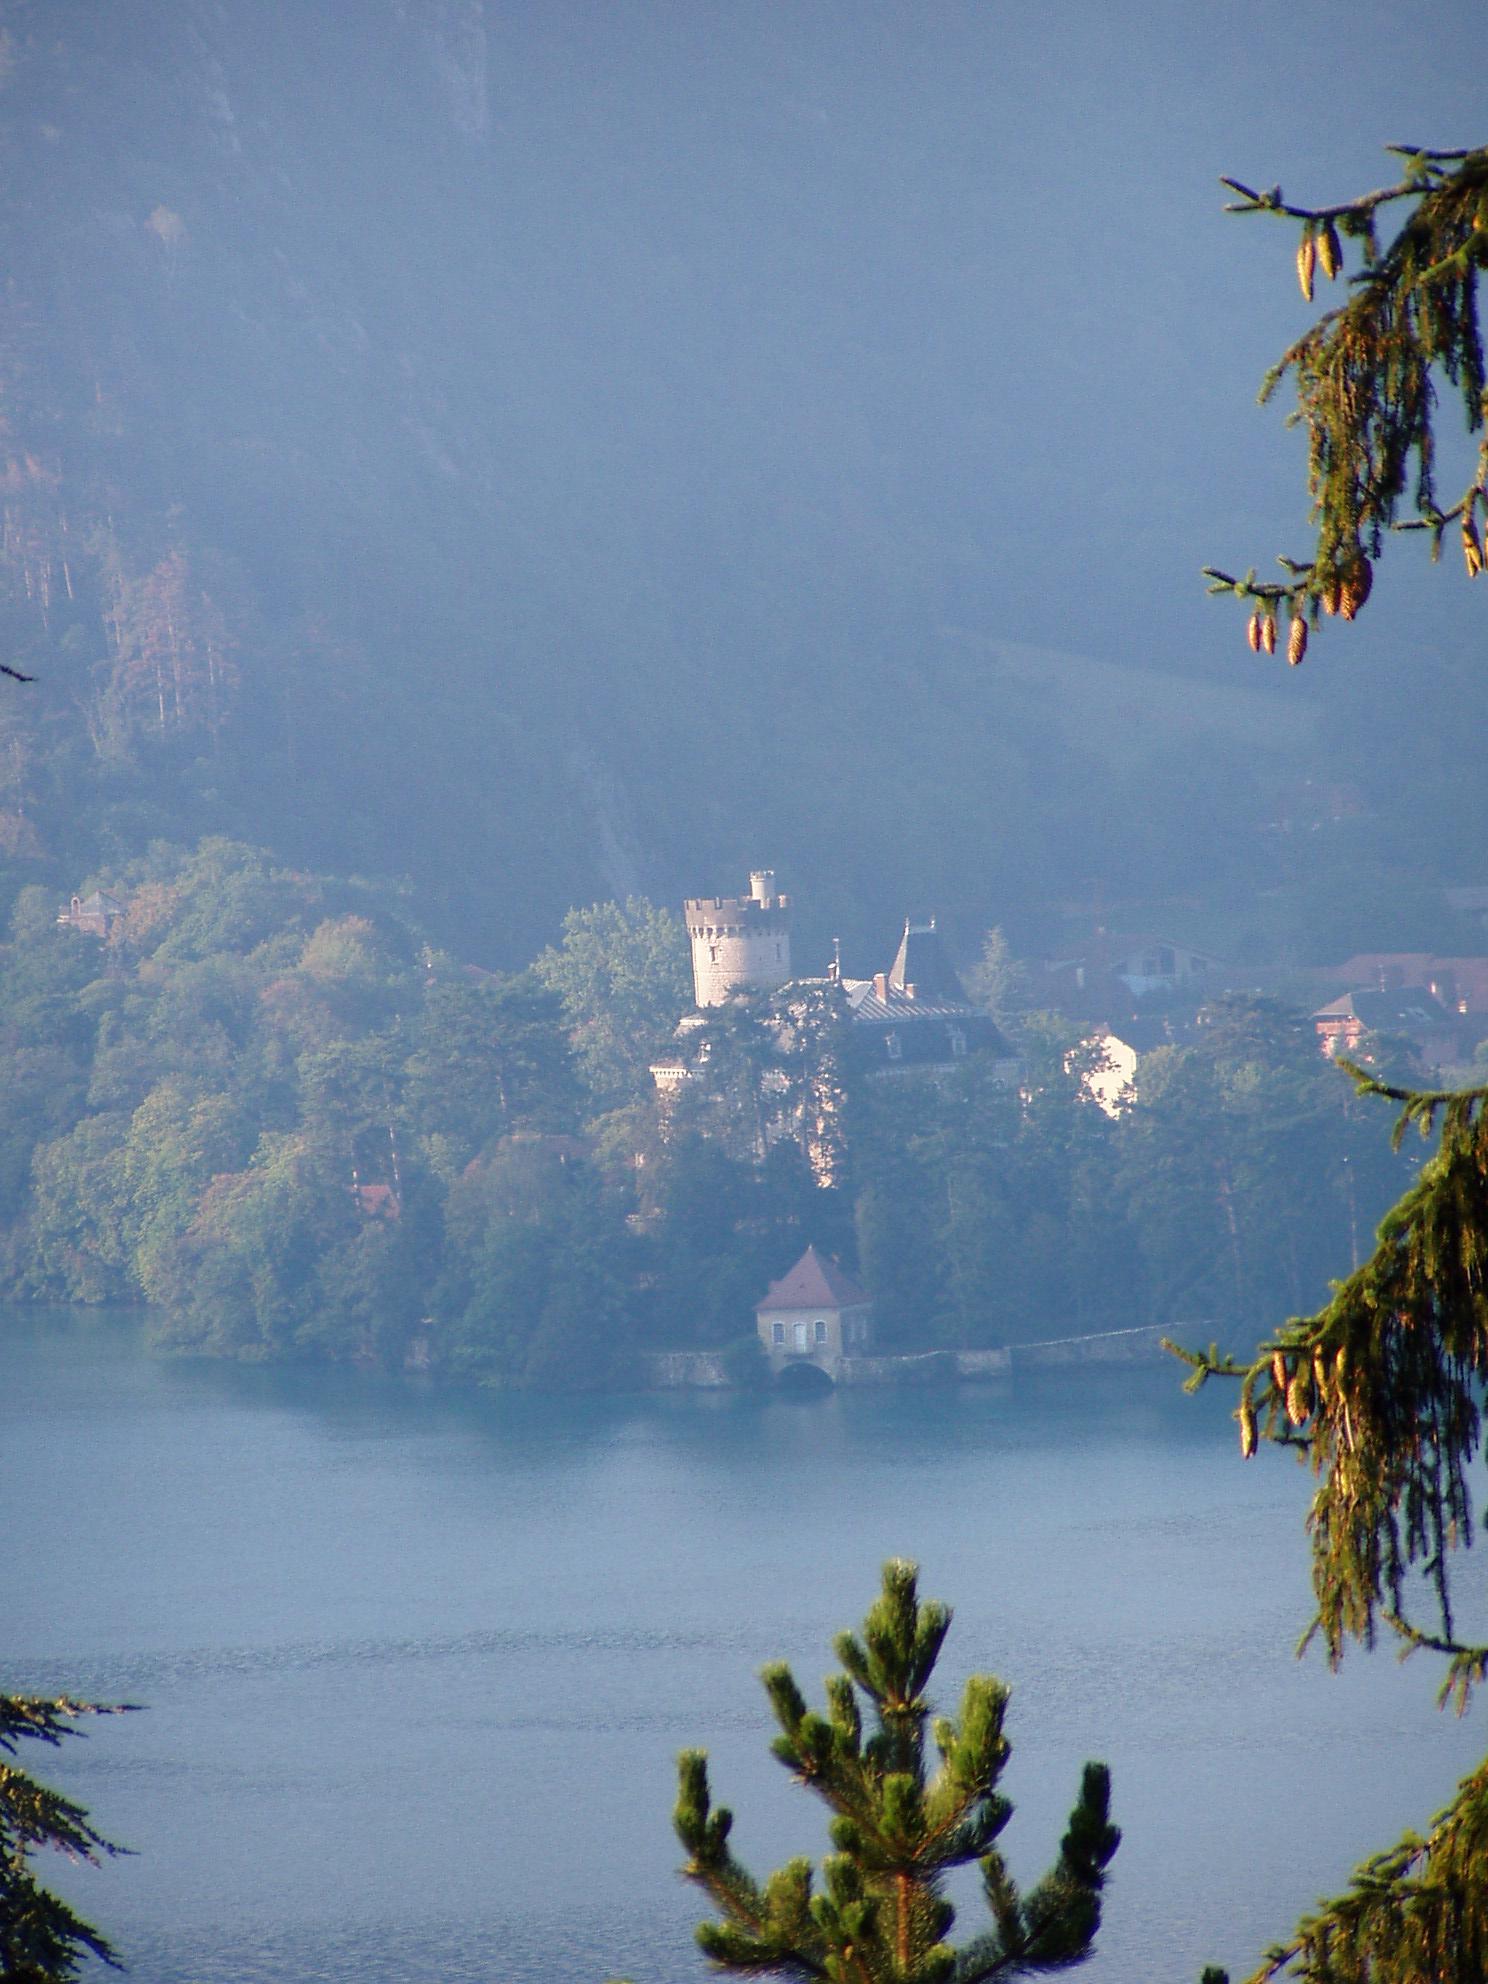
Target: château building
(916,1015)
(912,1017)
(739,943)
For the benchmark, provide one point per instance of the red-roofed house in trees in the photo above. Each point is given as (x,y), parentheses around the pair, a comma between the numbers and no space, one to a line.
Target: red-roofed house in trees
(1413,1013)
(816,1314)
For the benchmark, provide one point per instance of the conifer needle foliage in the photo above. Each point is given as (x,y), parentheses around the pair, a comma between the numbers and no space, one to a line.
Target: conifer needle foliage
(42,1941)
(1382,1393)
(900,1821)
(1367,379)
(1415,1915)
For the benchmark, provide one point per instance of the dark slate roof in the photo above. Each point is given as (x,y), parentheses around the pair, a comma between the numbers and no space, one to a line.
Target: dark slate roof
(921,961)
(1149,1031)
(1114,950)
(923,1027)
(814,1283)
(1388,1011)
(1122,947)
(864,1004)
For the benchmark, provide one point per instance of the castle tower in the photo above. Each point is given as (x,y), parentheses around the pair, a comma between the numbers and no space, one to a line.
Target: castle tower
(739,943)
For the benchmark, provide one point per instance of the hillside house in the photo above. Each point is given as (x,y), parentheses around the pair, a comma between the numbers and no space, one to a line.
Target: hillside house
(1109,1081)
(95,915)
(376,1201)
(1143,967)
(1460,984)
(1413,1014)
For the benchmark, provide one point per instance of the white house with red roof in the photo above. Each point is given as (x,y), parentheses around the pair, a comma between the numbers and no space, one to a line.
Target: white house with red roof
(815,1314)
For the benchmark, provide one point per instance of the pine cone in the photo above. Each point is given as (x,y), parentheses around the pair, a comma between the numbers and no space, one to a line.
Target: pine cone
(1296,641)
(1281,1377)
(1246,1416)
(1299,1398)
(1320,1374)
(1253,633)
(1331,595)
(1268,633)
(1357,585)
(1472,550)
(1329,251)
(1306,262)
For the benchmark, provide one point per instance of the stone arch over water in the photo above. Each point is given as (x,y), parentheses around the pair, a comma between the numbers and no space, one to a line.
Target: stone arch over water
(803,1377)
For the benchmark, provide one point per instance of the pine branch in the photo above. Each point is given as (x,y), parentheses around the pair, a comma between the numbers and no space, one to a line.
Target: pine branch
(40,1936)
(1416,1914)
(1424,164)
(1382,1392)
(48,1719)
(1366,375)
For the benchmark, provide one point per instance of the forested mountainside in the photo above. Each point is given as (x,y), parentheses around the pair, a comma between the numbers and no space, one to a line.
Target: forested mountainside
(549,454)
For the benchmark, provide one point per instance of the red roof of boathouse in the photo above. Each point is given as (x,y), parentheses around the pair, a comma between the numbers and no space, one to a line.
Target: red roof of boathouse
(814,1283)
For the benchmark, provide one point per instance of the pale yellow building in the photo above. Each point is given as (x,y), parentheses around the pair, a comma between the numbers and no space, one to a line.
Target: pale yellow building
(815,1314)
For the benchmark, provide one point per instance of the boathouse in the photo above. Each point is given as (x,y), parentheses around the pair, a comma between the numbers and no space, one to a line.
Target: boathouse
(815,1314)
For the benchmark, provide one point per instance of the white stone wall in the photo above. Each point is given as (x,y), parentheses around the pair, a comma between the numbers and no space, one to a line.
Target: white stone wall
(737,946)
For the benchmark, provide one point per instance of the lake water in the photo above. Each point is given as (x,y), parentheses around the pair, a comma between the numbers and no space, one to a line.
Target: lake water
(417,1662)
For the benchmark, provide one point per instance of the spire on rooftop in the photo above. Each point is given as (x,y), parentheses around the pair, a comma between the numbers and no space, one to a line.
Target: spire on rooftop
(921,961)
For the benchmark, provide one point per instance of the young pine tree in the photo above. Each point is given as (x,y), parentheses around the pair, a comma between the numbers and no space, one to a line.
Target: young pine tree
(900,1822)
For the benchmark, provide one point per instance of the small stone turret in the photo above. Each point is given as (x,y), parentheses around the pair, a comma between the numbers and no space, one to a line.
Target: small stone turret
(739,943)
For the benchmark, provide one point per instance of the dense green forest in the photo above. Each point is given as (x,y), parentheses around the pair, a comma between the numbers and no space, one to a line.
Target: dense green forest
(270,1108)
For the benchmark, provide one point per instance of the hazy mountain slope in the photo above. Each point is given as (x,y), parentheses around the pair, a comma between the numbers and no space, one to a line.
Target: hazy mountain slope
(536,449)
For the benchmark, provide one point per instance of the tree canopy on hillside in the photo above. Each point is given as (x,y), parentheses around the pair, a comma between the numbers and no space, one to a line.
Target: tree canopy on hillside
(621,972)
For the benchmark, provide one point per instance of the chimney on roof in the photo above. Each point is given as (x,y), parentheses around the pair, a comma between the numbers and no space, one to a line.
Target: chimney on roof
(881,984)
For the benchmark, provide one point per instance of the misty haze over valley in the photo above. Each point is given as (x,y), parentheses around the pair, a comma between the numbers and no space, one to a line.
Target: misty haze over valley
(625,444)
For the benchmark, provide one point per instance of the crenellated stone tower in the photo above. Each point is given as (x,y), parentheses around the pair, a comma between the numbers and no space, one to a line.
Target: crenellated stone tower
(739,943)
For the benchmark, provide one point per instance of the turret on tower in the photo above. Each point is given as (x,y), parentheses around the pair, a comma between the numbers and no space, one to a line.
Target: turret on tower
(739,943)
